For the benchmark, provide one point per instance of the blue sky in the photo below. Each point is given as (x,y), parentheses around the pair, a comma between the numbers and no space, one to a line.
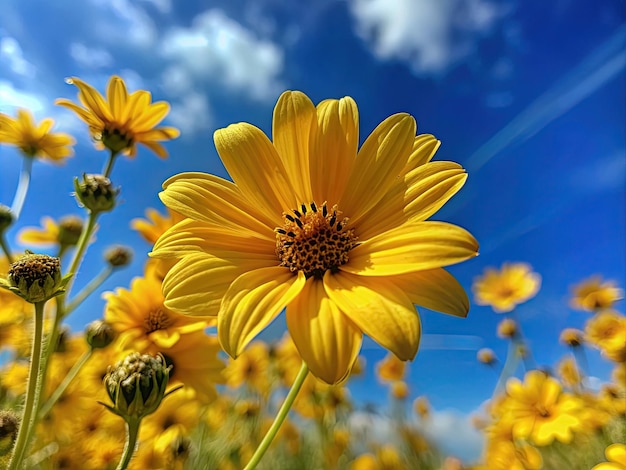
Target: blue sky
(528,96)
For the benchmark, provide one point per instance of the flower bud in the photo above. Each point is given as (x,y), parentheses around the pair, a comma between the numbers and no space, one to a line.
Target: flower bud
(572,337)
(6,218)
(507,328)
(70,229)
(399,390)
(9,425)
(136,385)
(35,278)
(118,256)
(486,356)
(99,334)
(96,193)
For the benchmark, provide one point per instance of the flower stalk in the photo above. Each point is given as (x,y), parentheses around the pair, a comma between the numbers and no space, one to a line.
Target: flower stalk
(132,433)
(22,187)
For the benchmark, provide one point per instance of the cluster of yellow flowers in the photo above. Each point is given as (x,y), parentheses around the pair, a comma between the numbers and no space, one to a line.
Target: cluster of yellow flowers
(338,236)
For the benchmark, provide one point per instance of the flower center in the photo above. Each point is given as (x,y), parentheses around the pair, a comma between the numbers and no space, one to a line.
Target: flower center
(156,320)
(115,139)
(314,240)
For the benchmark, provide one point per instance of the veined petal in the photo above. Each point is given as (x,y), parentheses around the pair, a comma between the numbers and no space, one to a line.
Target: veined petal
(212,199)
(197,283)
(417,196)
(151,116)
(378,164)
(159,133)
(253,300)
(424,148)
(91,99)
(156,147)
(256,168)
(117,96)
(326,339)
(379,308)
(414,246)
(293,123)
(90,119)
(334,148)
(435,289)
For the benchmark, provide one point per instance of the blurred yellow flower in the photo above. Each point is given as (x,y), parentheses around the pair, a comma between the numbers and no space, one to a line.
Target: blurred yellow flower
(391,369)
(607,331)
(155,224)
(486,356)
(616,456)
(568,372)
(507,328)
(421,406)
(571,337)
(592,294)
(540,410)
(341,241)
(122,120)
(64,233)
(507,455)
(250,368)
(35,140)
(399,390)
(504,289)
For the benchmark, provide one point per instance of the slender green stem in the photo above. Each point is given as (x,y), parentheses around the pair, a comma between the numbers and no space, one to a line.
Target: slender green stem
(582,364)
(88,289)
(73,372)
(508,369)
(280,418)
(109,165)
(132,432)
(29,417)
(81,246)
(5,248)
(22,187)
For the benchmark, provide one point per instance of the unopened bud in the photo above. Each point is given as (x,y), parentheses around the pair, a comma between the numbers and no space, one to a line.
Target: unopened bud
(35,278)
(6,218)
(99,334)
(9,425)
(70,229)
(507,328)
(118,256)
(96,193)
(486,356)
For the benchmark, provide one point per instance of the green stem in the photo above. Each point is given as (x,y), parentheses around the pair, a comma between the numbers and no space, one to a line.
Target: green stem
(508,369)
(132,432)
(5,248)
(109,164)
(22,187)
(88,289)
(280,418)
(47,406)
(29,418)
(81,246)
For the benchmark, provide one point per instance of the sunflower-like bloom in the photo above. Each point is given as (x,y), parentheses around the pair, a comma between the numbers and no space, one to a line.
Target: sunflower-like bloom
(504,289)
(593,294)
(336,236)
(616,456)
(35,140)
(607,331)
(540,410)
(122,120)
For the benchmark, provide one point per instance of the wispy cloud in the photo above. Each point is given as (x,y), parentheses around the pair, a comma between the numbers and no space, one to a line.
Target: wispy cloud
(90,57)
(11,54)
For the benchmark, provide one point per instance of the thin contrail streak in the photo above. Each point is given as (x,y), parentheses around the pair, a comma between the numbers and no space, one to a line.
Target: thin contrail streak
(606,62)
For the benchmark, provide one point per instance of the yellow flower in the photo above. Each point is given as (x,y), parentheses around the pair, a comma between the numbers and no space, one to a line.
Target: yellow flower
(506,455)
(421,407)
(35,140)
(616,456)
(507,328)
(540,410)
(607,331)
(122,120)
(65,232)
(340,240)
(571,337)
(486,356)
(513,284)
(399,390)
(250,368)
(568,372)
(592,294)
(155,224)
(391,369)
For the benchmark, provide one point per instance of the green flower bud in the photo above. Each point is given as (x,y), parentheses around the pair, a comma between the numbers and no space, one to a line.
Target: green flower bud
(96,193)
(9,425)
(99,334)
(70,229)
(6,218)
(136,385)
(118,256)
(35,278)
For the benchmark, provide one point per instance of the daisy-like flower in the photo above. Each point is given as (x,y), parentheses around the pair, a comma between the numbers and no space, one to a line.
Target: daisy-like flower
(155,224)
(504,289)
(616,456)
(65,233)
(122,120)
(593,294)
(35,140)
(338,236)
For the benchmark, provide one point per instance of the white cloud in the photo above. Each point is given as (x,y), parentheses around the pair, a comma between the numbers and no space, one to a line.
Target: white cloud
(191,115)
(90,57)
(163,6)
(123,22)
(11,53)
(12,98)
(431,36)
(218,48)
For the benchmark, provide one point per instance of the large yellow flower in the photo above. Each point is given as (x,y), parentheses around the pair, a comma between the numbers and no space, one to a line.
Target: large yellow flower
(35,140)
(122,120)
(514,284)
(593,294)
(336,235)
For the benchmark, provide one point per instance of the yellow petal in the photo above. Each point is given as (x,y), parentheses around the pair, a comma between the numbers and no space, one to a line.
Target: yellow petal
(379,308)
(253,300)
(334,148)
(92,99)
(293,123)
(616,453)
(327,341)
(89,118)
(198,282)
(209,198)
(417,196)
(256,168)
(424,148)
(117,96)
(378,164)
(411,247)
(435,289)
(151,116)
